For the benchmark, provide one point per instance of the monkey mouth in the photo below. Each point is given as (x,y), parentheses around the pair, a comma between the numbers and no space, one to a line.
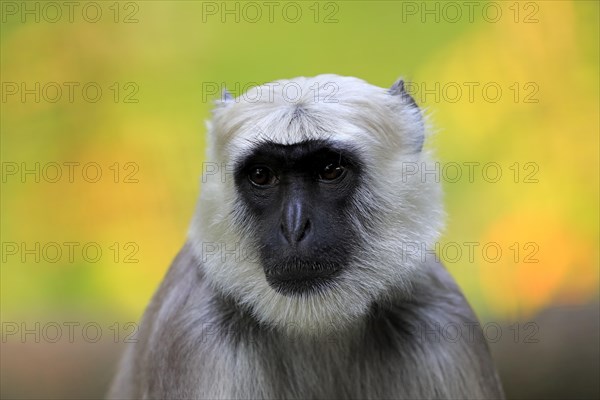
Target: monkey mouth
(303,280)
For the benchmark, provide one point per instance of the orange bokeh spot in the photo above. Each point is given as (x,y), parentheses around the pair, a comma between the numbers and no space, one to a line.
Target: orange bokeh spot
(543,260)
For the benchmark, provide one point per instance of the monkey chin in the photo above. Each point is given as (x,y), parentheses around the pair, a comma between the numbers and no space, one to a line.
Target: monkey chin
(301,278)
(317,310)
(300,286)
(316,305)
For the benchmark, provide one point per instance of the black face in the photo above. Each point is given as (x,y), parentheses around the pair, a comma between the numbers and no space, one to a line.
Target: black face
(300,195)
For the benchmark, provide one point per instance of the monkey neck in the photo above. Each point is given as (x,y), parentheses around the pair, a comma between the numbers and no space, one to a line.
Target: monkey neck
(242,327)
(400,317)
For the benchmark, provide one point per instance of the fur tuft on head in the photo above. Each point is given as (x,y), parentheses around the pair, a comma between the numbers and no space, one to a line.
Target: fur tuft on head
(399,213)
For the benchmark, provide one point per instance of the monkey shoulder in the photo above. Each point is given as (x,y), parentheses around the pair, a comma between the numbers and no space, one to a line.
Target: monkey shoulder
(163,342)
(434,330)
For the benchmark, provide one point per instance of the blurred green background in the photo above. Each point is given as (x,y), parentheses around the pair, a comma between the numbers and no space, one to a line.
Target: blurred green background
(122,89)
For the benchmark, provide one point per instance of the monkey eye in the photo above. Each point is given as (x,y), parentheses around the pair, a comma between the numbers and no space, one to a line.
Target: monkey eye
(262,176)
(331,172)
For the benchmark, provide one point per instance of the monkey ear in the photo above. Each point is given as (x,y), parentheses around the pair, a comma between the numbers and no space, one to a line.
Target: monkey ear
(226,96)
(225,99)
(398,89)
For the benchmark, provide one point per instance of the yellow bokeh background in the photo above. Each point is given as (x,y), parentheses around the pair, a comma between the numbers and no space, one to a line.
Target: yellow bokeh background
(542,130)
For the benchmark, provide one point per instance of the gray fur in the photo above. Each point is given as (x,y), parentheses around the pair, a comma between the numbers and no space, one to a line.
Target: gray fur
(392,325)
(195,344)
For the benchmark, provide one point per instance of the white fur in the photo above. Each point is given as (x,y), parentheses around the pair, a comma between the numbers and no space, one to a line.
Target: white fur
(405,209)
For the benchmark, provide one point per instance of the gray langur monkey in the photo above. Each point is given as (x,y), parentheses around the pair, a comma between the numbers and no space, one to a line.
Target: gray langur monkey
(304,274)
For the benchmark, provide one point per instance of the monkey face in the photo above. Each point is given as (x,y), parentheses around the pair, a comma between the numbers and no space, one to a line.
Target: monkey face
(313,220)
(300,197)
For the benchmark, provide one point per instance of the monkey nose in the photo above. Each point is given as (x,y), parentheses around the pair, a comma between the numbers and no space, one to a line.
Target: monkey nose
(295,223)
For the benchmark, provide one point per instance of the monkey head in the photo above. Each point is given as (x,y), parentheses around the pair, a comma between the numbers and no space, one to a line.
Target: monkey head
(308,216)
